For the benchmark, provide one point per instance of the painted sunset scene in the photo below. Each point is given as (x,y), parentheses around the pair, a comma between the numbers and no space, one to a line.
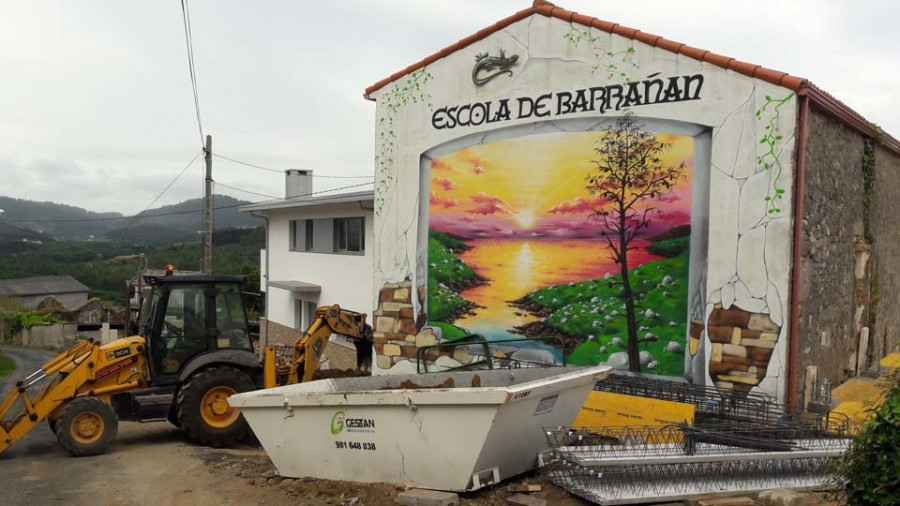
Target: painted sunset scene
(528,236)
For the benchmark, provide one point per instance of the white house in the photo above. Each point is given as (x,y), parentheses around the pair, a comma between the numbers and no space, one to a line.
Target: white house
(319,252)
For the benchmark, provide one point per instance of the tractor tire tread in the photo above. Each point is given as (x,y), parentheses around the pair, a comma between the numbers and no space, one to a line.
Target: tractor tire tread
(190,395)
(79,405)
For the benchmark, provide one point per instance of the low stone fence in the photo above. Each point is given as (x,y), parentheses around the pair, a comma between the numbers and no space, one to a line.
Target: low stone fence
(63,335)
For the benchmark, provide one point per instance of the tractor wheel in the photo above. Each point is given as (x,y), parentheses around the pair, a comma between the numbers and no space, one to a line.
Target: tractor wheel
(86,426)
(52,423)
(172,417)
(203,409)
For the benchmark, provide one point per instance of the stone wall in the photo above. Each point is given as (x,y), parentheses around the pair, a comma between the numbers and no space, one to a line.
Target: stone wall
(884,313)
(340,354)
(832,222)
(278,333)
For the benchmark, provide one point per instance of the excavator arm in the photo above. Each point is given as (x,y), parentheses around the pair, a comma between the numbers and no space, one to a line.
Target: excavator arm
(308,349)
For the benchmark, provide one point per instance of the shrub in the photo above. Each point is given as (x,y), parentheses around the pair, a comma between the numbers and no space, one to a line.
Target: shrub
(24,320)
(869,472)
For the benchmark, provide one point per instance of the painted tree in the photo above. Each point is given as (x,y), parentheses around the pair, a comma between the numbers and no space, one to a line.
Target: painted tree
(629,175)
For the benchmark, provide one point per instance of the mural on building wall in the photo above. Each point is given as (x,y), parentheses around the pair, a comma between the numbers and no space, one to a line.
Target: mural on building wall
(549,235)
(468,174)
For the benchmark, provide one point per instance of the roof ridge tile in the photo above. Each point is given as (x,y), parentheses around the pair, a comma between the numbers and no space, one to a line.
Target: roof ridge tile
(549,9)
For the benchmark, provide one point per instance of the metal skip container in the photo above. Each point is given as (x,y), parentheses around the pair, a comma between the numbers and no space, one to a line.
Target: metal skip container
(454,431)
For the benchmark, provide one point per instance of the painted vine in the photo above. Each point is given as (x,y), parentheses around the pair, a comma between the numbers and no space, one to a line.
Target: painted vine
(613,63)
(770,158)
(398,96)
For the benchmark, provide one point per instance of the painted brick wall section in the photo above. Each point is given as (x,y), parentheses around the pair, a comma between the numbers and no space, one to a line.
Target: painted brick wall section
(884,337)
(832,220)
(742,345)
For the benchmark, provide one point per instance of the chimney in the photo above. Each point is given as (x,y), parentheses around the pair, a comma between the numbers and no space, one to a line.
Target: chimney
(297,183)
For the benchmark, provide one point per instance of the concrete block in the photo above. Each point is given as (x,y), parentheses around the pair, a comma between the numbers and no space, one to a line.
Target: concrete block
(526,500)
(727,501)
(422,497)
(787,497)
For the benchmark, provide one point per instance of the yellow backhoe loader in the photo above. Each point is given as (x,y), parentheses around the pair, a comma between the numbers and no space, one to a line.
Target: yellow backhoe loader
(193,351)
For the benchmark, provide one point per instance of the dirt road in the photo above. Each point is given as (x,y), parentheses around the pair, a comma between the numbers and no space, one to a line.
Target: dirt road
(148,464)
(153,464)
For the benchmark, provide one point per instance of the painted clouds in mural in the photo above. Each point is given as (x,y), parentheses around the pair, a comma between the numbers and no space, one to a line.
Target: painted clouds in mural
(518,248)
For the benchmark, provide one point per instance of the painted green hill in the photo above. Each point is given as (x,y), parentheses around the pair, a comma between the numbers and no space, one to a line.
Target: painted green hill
(447,275)
(593,313)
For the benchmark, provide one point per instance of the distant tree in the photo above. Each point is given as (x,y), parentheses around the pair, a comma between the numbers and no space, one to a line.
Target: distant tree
(629,175)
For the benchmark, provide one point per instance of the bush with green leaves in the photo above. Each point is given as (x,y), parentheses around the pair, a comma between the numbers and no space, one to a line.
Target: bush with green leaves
(869,472)
(24,320)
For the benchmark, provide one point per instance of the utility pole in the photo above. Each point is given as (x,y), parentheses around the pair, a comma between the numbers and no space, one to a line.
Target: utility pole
(208,210)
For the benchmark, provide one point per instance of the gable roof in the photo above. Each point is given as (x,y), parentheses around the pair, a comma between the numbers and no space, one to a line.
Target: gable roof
(800,85)
(41,285)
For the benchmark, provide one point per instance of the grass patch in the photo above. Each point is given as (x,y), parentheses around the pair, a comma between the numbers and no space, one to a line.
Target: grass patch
(593,310)
(447,275)
(7,365)
(449,332)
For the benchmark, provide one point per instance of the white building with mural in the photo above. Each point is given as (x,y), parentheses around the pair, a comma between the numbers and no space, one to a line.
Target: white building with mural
(319,252)
(626,198)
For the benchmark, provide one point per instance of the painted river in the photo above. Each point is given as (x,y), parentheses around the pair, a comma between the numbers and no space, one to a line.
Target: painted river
(517,267)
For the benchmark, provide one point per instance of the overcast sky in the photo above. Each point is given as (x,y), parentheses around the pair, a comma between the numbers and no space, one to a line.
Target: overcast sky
(96,108)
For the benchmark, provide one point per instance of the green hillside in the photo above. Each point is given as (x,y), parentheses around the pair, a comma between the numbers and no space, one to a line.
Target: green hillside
(176,222)
(105,265)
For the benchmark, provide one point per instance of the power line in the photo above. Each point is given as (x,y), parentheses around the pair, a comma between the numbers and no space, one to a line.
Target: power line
(248,164)
(280,171)
(245,191)
(175,213)
(189,44)
(194,159)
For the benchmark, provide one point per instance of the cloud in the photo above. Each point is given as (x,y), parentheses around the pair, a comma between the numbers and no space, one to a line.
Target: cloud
(442,202)
(477,165)
(488,204)
(578,205)
(440,164)
(444,182)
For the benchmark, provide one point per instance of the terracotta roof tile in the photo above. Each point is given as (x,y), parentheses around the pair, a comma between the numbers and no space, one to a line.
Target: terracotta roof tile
(544,8)
(718,60)
(599,24)
(548,9)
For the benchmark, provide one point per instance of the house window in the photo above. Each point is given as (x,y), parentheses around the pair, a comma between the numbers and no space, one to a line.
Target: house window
(301,235)
(349,235)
